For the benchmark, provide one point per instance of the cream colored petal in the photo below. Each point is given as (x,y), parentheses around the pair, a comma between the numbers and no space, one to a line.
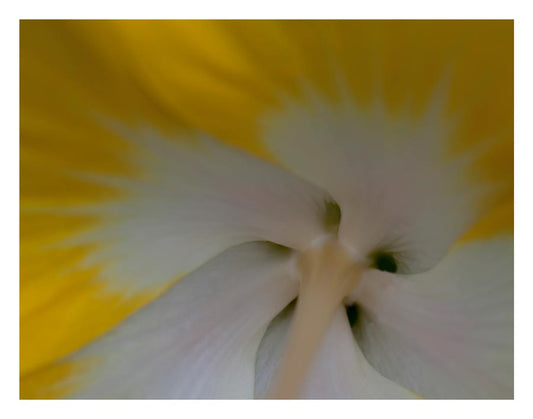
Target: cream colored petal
(199,340)
(194,199)
(393,178)
(446,333)
(339,371)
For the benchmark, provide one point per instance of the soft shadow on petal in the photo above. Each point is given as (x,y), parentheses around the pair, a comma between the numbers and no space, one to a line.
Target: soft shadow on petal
(198,340)
(340,370)
(448,332)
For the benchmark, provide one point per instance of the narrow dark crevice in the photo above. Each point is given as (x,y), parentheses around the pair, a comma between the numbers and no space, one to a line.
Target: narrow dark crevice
(384,261)
(352,312)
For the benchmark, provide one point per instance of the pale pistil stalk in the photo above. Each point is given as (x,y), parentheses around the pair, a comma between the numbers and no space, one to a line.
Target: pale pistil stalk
(328,273)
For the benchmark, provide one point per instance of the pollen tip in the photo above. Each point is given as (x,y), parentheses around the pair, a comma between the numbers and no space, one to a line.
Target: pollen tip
(332,215)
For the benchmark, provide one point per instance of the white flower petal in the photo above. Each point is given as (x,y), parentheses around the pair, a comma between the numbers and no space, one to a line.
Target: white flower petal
(396,190)
(448,332)
(195,198)
(340,370)
(199,340)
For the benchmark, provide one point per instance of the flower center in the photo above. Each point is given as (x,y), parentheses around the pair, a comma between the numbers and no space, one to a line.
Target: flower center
(328,271)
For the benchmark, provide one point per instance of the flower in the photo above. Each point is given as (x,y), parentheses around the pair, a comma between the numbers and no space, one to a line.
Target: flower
(266,209)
